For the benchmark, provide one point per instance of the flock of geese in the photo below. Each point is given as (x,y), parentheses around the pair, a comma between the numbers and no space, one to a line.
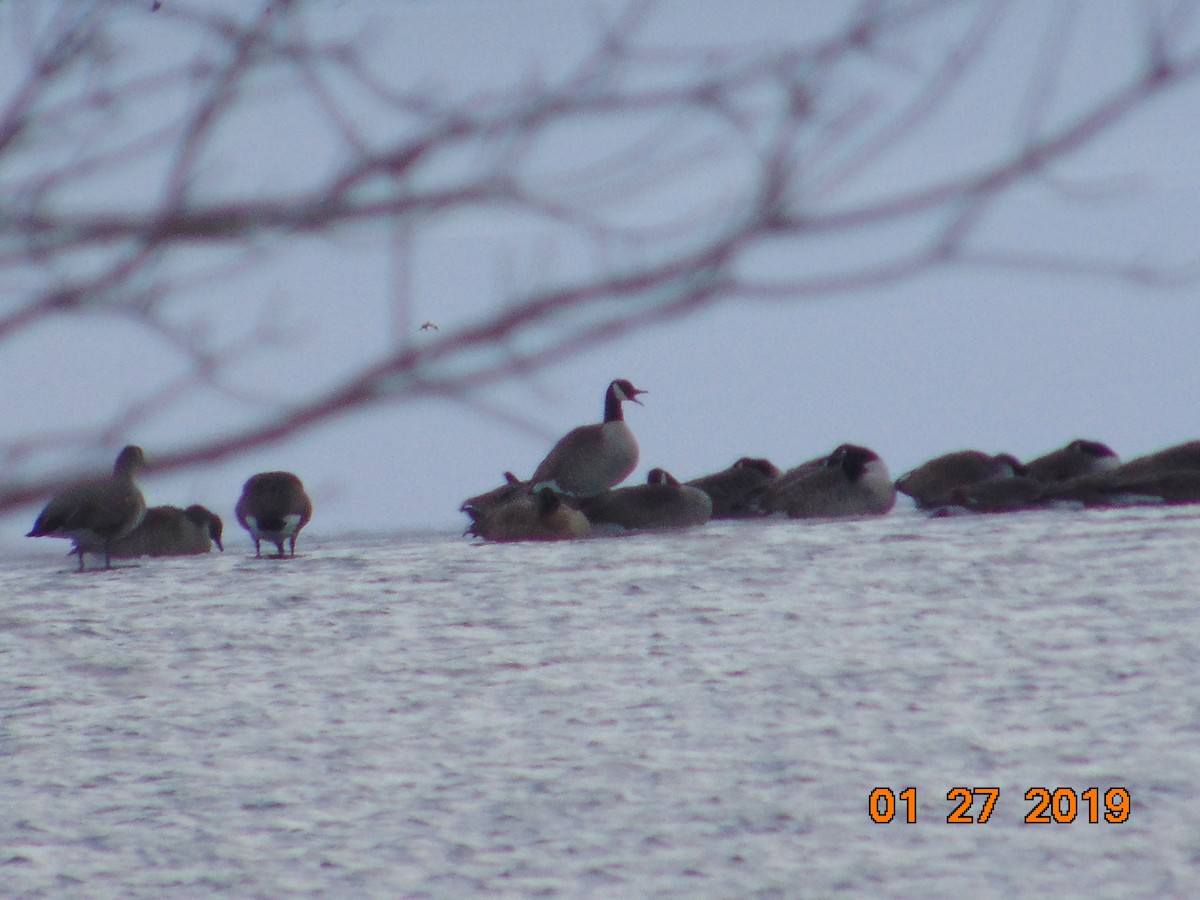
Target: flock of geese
(573,492)
(109,516)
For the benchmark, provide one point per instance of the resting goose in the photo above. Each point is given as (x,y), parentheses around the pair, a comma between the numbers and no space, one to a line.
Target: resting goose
(1180,457)
(736,492)
(662,502)
(481,503)
(273,507)
(95,513)
(1173,488)
(934,483)
(525,516)
(1072,461)
(851,481)
(592,458)
(999,494)
(171,531)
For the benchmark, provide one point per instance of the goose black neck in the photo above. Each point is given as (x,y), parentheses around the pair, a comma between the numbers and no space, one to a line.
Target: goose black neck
(853,461)
(612,405)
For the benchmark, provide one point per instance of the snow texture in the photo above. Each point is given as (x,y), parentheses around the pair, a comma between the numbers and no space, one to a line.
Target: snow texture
(692,714)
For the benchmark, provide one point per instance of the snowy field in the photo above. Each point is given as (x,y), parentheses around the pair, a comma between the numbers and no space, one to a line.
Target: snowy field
(696,715)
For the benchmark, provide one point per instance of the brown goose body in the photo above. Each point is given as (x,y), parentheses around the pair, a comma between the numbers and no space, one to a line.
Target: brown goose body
(171,531)
(481,503)
(526,516)
(1174,488)
(1000,494)
(661,503)
(1179,487)
(96,513)
(736,492)
(1180,457)
(1075,460)
(851,481)
(592,458)
(935,482)
(274,507)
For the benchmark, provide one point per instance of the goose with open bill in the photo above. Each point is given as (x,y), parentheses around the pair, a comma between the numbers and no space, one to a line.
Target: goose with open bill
(592,458)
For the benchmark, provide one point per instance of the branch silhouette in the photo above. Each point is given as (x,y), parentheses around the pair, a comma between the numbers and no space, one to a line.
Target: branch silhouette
(790,130)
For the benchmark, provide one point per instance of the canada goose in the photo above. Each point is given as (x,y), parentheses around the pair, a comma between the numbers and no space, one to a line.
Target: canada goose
(1180,457)
(933,483)
(592,458)
(171,531)
(95,513)
(851,481)
(662,502)
(999,494)
(1174,488)
(736,492)
(481,503)
(1179,487)
(526,516)
(273,507)
(1077,458)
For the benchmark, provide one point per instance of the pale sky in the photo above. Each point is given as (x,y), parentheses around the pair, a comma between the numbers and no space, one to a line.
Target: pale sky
(1015,361)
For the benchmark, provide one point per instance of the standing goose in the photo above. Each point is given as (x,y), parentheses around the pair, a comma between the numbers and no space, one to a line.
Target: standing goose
(273,507)
(95,514)
(171,531)
(935,482)
(736,492)
(526,516)
(851,481)
(592,458)
(662,502)
(1072,461)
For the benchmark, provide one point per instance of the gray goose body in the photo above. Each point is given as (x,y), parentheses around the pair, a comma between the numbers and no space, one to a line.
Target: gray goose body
(935,482)
(661,503)
(171,531)
(1075,460)
(736,492)
(274,507)
(96,513)
(523,515)
(851,481)
(592,458)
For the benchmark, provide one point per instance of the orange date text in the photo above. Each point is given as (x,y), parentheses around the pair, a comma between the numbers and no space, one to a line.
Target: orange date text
(975,805)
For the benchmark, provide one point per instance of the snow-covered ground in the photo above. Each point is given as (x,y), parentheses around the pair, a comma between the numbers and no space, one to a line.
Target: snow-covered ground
(696,714)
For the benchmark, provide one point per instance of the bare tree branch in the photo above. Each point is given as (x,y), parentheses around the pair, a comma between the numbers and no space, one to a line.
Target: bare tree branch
(766,146)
